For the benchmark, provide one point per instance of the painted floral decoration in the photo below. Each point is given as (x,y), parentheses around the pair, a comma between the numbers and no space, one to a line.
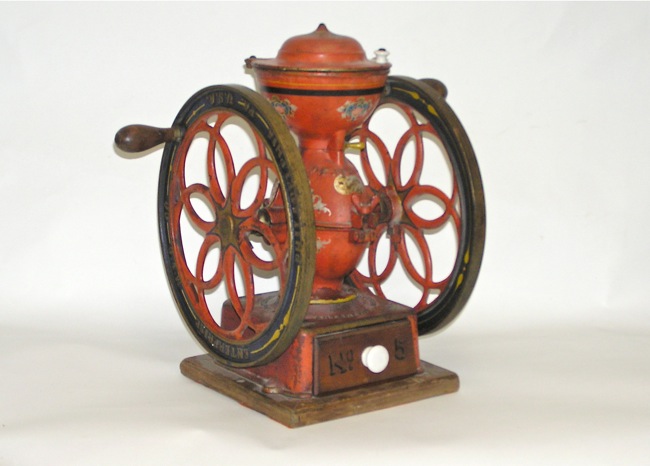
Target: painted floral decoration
(354,110)
(283,106)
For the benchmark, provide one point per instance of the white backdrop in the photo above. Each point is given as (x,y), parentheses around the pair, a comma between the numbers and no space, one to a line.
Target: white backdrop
(553,349)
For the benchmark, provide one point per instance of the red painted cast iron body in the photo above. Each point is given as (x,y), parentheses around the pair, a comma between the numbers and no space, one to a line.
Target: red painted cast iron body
(324,87)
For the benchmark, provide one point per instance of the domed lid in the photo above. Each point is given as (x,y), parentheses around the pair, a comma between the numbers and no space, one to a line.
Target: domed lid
(321,51)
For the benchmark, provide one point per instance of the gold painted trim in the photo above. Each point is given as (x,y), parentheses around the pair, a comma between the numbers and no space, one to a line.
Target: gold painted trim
(347,299)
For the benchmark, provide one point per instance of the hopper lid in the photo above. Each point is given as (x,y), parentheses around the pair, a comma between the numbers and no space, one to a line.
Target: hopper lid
(322,50)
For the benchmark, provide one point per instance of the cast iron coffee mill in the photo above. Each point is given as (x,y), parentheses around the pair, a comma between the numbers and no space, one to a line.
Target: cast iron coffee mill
(312,231)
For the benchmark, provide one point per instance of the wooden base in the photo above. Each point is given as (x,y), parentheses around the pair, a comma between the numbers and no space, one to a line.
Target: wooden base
(293,411)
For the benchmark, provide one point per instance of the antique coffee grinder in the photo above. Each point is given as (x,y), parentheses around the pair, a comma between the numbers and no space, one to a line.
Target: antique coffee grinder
(312,231)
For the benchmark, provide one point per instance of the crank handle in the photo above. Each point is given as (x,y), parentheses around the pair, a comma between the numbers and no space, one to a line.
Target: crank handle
(437,86)
(139,138)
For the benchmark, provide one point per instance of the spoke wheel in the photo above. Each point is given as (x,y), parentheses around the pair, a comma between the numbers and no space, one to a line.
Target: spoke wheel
(429,253)
(241,283)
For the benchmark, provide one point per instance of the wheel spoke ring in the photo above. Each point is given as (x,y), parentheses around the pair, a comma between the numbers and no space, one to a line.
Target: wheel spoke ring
(427,113)
(251,340)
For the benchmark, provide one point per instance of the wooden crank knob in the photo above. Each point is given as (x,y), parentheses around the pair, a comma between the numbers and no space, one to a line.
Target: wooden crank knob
(139,138)
(437,85)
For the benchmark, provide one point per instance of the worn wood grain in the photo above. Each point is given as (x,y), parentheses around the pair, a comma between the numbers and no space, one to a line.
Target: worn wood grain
(298,411)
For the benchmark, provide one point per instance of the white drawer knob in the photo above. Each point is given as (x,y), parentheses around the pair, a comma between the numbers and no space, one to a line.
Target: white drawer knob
(375,358)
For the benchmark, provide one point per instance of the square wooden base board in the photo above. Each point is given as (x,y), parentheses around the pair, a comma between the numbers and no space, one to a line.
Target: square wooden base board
(294,411)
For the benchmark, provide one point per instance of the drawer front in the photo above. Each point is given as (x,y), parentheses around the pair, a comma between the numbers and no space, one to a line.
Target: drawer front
(360,356)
